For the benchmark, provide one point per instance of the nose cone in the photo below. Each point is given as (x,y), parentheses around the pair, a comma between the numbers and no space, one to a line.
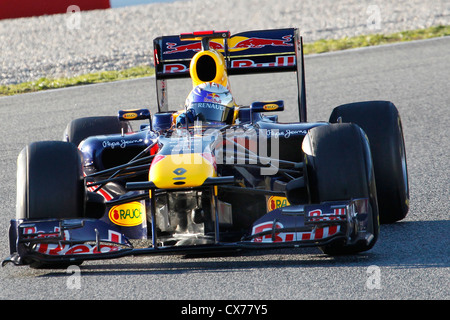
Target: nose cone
(181,170)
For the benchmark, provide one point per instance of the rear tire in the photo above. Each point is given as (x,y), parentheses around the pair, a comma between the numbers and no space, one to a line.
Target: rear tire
(381,122)
(79,129)
(339,167)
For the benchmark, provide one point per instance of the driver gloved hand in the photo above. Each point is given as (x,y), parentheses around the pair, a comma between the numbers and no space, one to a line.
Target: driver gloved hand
(188,116)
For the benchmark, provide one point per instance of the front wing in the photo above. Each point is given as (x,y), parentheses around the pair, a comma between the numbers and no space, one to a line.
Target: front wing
(77,240)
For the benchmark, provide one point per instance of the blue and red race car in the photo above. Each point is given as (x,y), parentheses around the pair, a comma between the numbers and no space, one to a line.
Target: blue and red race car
(215,175)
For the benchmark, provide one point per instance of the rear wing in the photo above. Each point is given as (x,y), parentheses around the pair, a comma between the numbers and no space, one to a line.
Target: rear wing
(261,51)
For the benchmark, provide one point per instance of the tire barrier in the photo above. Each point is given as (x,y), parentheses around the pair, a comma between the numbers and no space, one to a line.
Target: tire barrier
(29,8)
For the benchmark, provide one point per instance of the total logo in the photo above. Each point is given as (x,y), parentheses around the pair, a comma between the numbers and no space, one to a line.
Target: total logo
(128,214)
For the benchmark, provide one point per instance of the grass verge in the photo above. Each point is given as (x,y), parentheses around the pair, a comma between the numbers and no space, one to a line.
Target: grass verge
(97,77)
(319,46)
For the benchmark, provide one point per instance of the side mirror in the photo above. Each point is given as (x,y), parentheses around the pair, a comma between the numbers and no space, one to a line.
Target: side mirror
(162,121)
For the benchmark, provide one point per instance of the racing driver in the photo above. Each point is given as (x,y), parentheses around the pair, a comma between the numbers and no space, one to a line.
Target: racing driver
(211,103)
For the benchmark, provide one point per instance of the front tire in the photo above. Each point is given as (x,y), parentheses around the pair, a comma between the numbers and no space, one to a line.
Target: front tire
(50,185)
(339,167)
(50,181)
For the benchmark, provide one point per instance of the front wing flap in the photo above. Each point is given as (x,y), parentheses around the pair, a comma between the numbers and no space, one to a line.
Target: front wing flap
(315,224)
(69,240)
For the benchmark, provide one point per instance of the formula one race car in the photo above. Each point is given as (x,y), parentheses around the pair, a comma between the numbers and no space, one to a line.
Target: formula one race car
(216,175)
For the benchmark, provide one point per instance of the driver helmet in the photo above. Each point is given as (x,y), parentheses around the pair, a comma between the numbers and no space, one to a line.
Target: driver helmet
(211,102)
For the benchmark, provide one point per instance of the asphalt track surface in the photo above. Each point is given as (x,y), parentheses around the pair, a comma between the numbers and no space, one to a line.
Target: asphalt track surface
(411,257)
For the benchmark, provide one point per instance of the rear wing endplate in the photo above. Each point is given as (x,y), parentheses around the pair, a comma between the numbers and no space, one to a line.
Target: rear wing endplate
(260,51)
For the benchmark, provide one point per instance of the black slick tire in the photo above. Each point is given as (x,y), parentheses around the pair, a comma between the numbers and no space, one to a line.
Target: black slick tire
(49,181)
(381,122)
(79,129)
(339,168)
(49,185)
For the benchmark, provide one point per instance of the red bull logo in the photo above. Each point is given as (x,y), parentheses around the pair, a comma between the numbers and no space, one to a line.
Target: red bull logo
(257,43)
(195,46)
(234,44)
(213,97)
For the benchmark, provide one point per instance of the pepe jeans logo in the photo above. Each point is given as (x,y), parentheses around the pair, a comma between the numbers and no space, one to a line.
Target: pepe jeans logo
(122,143)
(128,214)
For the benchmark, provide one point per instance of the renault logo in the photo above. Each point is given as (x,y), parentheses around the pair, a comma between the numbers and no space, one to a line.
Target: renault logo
(179,171)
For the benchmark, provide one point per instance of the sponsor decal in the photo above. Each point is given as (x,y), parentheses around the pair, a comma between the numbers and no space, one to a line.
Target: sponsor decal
(195,46)
(236,43)
(180,171)
(130,115)
(43,234)
(315,234)
(258,43)
(128,214)
(267,226)
(317,215)
(67,249)
(121,143)
(207,105)
(213,97)
(286,134)
(280,61)
(175,68)
(270,107)
(275,202)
